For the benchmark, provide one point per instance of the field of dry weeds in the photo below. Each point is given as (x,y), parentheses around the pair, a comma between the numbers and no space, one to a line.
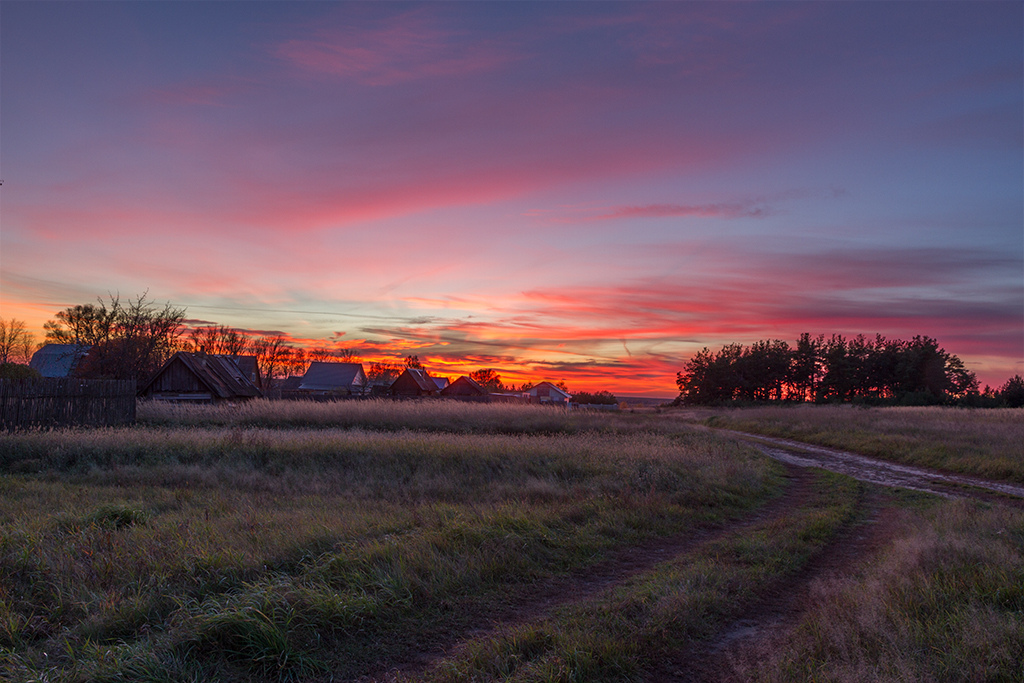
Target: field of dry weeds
(403,541)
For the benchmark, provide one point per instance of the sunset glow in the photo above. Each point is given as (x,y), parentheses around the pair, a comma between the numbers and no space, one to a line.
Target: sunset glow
(587,192)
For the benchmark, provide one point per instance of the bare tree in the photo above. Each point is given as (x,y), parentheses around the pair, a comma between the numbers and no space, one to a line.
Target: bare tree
(85,325)
(219,339)
(347,355)
(319,353)
(129,340)
(15,342)
(383,373)
(273,355)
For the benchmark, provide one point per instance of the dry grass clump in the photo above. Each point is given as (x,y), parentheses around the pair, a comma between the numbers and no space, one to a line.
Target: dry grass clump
(945,602)
(973,441)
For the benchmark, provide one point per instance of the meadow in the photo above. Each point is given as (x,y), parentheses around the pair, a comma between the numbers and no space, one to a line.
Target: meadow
(389,540)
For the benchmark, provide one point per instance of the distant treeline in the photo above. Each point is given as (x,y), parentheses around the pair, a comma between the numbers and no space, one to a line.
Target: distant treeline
(837,370)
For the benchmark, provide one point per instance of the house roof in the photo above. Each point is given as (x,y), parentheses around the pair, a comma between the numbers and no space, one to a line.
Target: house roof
(291,383)
(441,382)
(323,376)
(220,374)
(57,360)
(420,377)
(552,390)
(249,366)
(464,386)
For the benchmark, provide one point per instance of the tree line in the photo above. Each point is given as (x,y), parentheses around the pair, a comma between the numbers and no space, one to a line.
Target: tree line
(835,370)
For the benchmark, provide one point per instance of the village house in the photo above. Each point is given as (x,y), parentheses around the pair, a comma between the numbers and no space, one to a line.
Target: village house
(328,380)
(58,360)
(204,378)
(548,393)
(465,389)
(414,382)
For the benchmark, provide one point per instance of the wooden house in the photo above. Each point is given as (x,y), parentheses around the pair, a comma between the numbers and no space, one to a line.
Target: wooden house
(329,380)
(202,378)
(414,382)
(465,389)
(548,393)
(58,360)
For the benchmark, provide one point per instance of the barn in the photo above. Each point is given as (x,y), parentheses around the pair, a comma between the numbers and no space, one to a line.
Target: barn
(203,378)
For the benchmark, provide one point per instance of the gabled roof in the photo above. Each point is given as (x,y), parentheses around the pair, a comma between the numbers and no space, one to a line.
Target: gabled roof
(552,390)
(219,374)
(291,384)
(464,386)
(58,360)
(249,366)
(322,376)
(420,378)
(441,382)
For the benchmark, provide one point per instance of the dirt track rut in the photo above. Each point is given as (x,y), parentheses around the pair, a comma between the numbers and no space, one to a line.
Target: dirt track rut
(781,603)
(875,471)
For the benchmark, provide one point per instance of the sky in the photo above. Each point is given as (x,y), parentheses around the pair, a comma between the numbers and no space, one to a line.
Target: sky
(583,191)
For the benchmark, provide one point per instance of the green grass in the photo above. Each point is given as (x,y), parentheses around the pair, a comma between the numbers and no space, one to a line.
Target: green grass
(984,443)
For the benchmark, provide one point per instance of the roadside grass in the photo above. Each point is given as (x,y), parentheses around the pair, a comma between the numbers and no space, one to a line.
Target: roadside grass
(630,632)
(985,443)
(943,602)
(232,554)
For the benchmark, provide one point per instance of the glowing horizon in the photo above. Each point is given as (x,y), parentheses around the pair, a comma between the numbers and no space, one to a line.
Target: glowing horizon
(579,192)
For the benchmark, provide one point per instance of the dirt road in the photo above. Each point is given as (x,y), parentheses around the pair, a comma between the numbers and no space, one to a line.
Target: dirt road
(876,471)
(780,604)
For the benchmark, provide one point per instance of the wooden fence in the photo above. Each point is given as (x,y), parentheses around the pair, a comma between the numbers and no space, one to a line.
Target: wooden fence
(65,402)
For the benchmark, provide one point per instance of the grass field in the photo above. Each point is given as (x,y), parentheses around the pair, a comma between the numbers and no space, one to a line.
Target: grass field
(332,541)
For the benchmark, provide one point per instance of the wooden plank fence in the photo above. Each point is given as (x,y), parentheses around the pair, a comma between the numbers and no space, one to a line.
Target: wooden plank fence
(66,402)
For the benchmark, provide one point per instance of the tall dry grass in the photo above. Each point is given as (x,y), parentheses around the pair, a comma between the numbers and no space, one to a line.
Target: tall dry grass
(380,414)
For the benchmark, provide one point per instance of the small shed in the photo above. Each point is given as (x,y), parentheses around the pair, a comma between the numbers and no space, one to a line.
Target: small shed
(441,382)
(548,393)
(200,378)
(465,389)
(414,382)
(58,360)
(326,380)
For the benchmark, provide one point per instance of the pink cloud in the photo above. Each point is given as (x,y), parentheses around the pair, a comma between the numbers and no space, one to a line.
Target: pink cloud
(401,48)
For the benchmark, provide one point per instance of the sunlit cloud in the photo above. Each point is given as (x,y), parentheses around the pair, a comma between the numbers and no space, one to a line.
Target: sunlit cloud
(582,191)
